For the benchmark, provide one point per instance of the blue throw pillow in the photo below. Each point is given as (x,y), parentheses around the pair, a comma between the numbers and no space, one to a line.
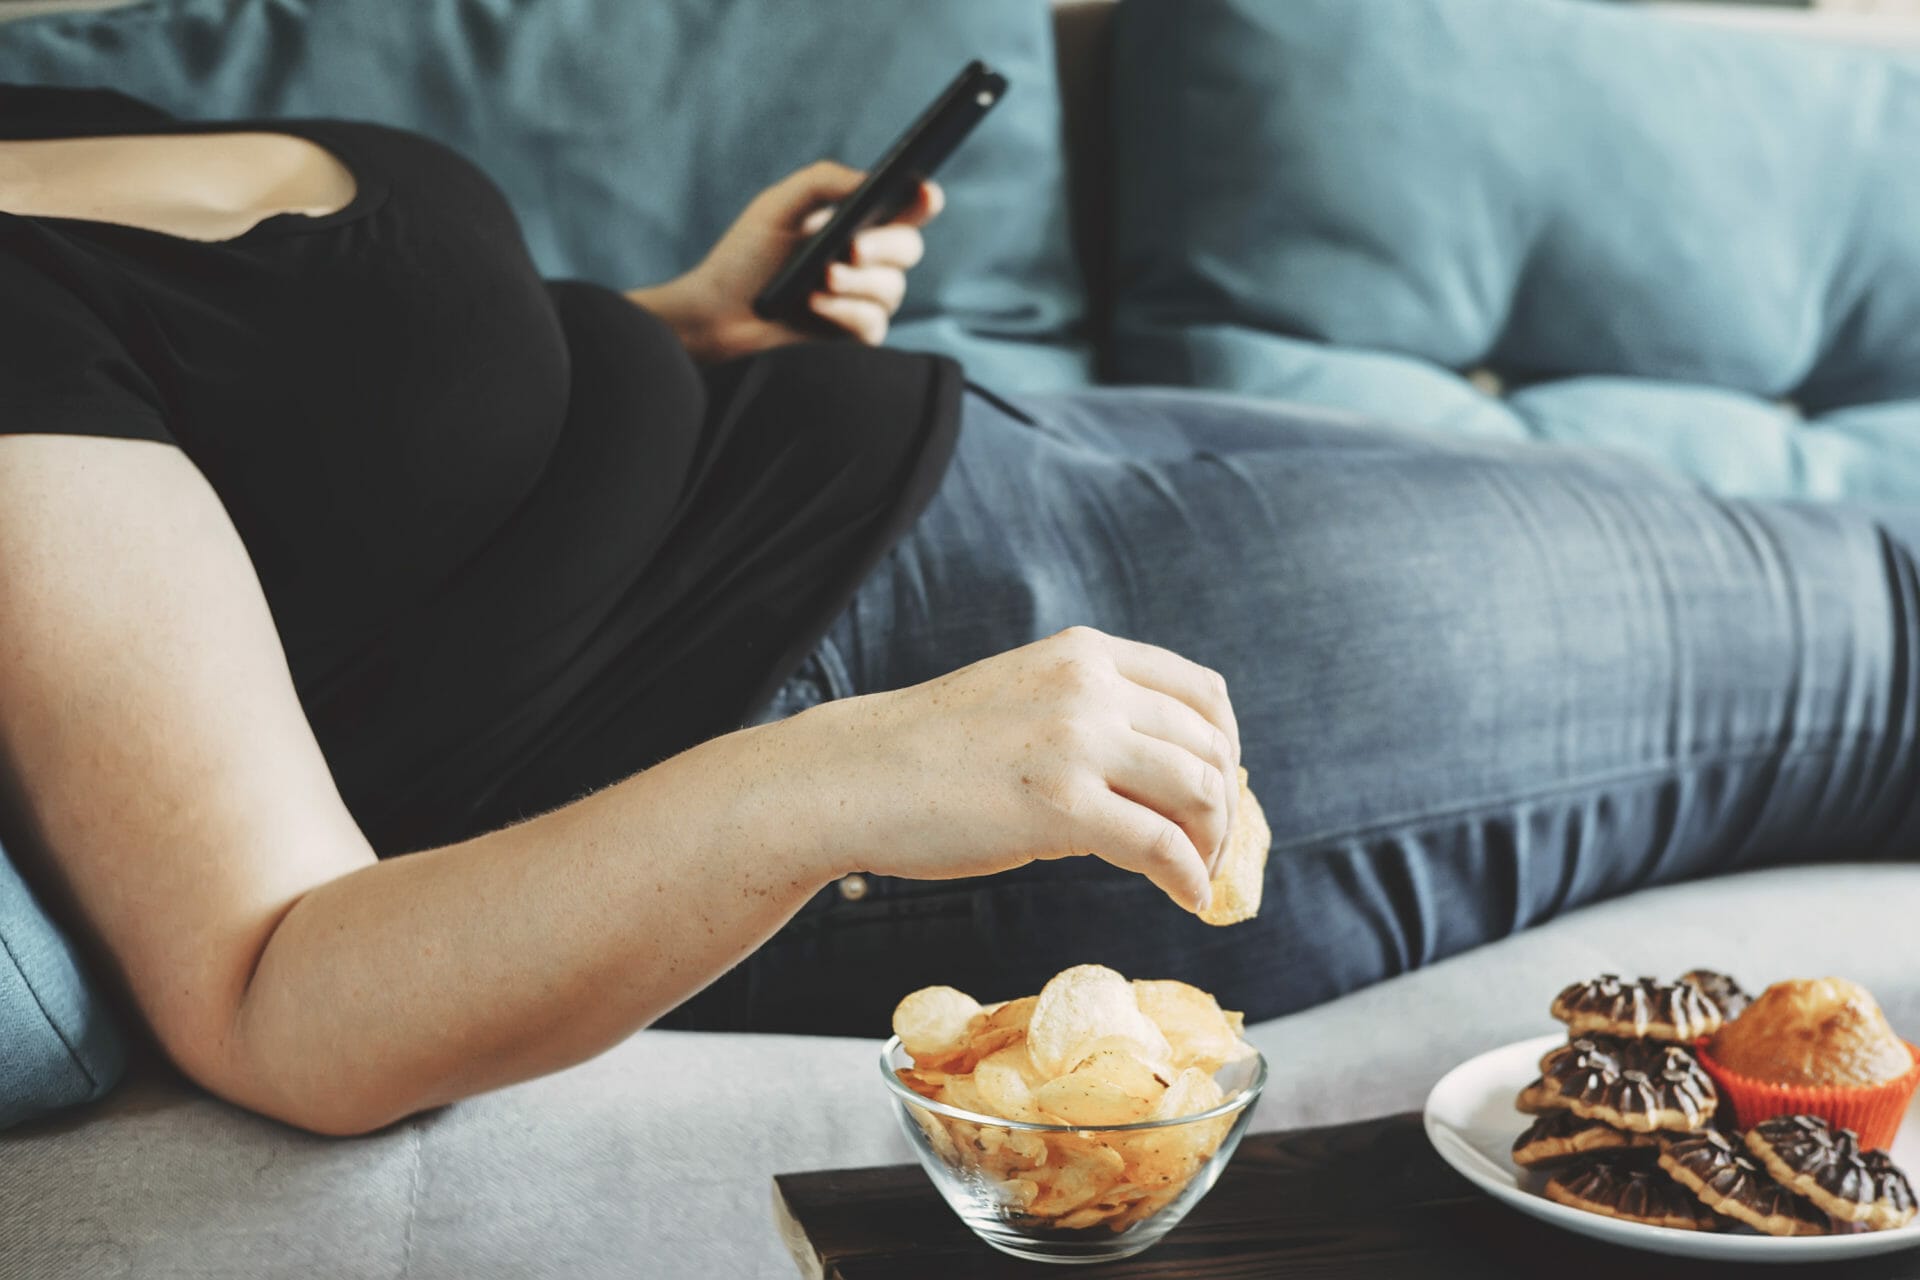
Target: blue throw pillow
(628,135)
(58,1044)
(1542,187)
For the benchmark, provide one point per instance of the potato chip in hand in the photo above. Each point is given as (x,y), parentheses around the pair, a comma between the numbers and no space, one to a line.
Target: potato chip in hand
(1242,873)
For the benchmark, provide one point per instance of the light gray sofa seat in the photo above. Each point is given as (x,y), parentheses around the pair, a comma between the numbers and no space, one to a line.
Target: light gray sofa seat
(655,1159)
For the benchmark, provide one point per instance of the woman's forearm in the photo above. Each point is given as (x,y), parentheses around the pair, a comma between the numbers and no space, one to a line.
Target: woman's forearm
(417,981)
(428,978)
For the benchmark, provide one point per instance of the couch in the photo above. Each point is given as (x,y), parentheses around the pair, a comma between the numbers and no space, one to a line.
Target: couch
(655,1159)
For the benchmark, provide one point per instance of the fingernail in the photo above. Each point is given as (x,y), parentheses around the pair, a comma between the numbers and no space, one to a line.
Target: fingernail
(1206,898)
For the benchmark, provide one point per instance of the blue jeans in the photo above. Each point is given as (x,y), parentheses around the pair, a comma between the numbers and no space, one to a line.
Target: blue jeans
(1479,684)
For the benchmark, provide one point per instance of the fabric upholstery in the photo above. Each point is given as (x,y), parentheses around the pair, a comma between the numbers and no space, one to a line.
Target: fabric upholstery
(629,135)
(1355,202)
(58,1044)
(654,1160)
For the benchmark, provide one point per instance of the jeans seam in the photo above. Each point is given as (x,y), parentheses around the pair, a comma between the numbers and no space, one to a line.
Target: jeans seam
(1455,812)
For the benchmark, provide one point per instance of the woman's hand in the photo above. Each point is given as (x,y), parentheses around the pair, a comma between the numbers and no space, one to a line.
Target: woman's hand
(1077,744)
(711,307)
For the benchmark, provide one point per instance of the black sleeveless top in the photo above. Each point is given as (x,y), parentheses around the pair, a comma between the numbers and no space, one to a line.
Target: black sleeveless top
(516,544)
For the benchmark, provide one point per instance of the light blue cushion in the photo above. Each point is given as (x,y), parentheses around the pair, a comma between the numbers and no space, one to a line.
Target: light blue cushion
(58,1044)
(1355,201)
(628,135)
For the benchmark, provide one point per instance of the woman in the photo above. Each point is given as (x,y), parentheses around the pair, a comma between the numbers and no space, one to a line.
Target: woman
(331,532)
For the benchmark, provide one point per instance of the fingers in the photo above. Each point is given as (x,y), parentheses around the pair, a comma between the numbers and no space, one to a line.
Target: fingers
(928,201)
(1135,838)
(891,244)
(1200,688)
(1171,721)
(884,285)
(864,318)
(1180,786)
(796,196)
(821,181)
(892,248)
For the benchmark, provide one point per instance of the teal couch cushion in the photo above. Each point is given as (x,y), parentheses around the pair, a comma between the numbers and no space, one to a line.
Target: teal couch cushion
(628,135)
(58,1043)
(1696,244)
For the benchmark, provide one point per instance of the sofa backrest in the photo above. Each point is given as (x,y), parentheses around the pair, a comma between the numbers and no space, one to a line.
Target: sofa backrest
(1083,45)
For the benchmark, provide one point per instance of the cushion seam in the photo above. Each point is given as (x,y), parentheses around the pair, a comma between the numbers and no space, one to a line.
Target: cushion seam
(413,1198)
(53,1024)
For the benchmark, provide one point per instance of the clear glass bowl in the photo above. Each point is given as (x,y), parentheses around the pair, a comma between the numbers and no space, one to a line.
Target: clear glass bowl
(1056,1193)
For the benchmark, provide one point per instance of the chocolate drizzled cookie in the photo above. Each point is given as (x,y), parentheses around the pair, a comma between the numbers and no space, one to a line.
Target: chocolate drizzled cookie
(1677,1012)
(1727,995)
(1561,1135)
(1730,1182)
(1826,1165)
(1637,1086)
(1631,1189)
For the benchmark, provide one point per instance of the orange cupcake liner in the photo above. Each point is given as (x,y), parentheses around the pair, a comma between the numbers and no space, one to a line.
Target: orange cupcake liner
(1874,1112)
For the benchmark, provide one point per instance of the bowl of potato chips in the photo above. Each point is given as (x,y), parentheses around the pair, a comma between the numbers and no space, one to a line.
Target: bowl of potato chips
(1077,1125)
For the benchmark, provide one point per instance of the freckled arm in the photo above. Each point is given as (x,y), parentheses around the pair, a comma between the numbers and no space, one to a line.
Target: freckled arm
(428,978)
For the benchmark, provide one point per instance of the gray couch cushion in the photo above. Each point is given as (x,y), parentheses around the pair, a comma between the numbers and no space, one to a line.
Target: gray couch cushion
(654,1159)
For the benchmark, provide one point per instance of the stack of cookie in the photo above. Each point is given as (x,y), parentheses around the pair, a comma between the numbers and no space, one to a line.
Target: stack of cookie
(1630,1125)
(1625,1079)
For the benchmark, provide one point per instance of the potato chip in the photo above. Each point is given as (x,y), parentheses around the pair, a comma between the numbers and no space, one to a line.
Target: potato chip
(1073,1099)
(1068,1185)
(1121,1194)
(997,1026)
(1110,1087)
(966,1138)
(1242,873)
(932,1024)
(963,1091)
(1005,1082)
(925,1083)
(1012,1150)
(1193,1023)
(1030,1147)
(1118,1059)
(937,1136)
(1145,1207)
(1191,1092)
(1019,1193)
(1081,1219)
(1083,1004)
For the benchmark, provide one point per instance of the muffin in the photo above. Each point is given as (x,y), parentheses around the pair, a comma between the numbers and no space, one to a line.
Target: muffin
(1824,1032)
(1816,1047)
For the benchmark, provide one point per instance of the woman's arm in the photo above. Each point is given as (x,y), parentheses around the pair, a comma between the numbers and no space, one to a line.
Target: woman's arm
(148,720)
(710,310)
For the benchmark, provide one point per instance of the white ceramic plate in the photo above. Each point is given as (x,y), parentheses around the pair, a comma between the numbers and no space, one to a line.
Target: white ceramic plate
(1472,1124)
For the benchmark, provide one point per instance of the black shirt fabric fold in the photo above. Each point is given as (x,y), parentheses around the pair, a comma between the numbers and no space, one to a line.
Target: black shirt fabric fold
(517,545)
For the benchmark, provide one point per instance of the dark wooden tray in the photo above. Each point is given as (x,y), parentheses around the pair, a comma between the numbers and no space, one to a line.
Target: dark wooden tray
(1371,1199)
